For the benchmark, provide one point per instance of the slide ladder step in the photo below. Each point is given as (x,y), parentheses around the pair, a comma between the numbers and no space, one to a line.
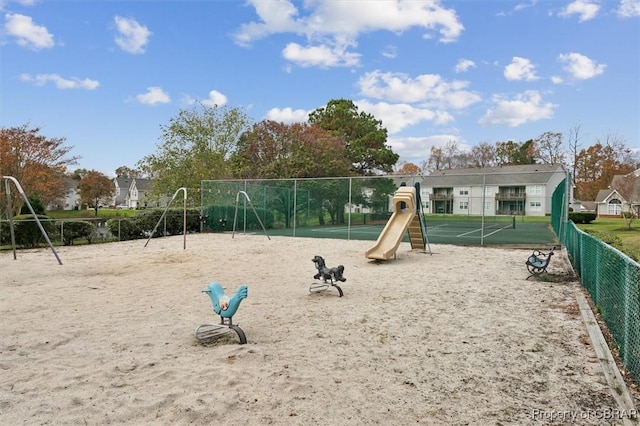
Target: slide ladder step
(416,238)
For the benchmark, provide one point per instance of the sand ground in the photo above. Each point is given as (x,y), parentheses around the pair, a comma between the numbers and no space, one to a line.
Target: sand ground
(456,337)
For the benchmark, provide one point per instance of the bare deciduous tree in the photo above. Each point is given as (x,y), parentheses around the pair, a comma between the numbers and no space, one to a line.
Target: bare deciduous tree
(549,148)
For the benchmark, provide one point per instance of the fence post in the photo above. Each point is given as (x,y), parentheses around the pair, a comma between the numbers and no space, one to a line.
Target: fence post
(627,313)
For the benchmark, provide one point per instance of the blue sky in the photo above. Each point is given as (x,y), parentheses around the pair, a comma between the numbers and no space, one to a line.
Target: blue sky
(106,75)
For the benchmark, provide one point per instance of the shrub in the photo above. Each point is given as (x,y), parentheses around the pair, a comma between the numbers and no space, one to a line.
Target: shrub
(27,231)
(76,229)
(36,205)
(582,217)
(172,224)
(124,229)
(606,237)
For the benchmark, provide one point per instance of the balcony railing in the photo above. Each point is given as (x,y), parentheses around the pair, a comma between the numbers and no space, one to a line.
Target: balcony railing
(440,197)
(511,195)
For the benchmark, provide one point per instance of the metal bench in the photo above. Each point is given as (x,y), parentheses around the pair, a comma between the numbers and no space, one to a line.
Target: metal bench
(538,262)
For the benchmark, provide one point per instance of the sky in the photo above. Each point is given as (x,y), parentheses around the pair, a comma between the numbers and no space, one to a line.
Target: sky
(108,75)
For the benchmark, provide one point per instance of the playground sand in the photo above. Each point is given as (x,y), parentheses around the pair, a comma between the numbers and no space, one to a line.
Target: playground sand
(456,337)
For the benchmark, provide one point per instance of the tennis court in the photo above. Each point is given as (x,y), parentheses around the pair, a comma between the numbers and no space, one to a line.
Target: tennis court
(318,208)
(442,232)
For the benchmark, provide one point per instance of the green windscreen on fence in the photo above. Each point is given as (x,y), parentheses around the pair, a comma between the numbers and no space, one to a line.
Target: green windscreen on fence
(559,207)
(359,208)
(611,278)
(613,282)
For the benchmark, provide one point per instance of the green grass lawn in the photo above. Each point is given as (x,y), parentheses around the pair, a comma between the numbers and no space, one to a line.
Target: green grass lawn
(90,214)
(616,233)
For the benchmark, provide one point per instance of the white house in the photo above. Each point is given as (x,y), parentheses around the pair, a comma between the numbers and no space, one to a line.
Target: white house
(132,193)
(121,193)
(71,198)
(137,198)
(611,202)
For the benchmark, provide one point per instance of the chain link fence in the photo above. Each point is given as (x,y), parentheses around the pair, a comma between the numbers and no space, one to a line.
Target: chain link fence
(473,208)
(611,278)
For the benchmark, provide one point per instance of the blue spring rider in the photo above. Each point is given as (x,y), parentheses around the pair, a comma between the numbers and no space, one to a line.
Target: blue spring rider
(226,307)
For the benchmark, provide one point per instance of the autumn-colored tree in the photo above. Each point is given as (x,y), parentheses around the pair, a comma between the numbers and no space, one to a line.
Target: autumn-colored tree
(513,153)
(408,169)
(506,152)
(365,138)
(436,159)
(272,150)
(96,190)
(598,164)
(195,146)
(37,162)
(275,150)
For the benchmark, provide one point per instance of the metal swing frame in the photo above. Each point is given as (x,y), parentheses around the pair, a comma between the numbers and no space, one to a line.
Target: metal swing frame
(8,179)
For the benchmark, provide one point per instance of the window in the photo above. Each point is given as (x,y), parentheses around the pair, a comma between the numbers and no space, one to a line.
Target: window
(488,206)
(488,190)
(535,190)
(614,207)
(535,206)
(464,191)
(464,205)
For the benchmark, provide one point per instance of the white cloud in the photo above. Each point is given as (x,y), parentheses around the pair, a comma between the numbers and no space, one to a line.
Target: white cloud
(322,56)
(556,79)
(276,17)
(525,107)
(154,96)
(215,99)
(60,82)
(329,26)
(417,149)
(520,69)
(585,9)
(132,37)
(463,65)
(580,67)
(396,117)
(287,115)
(428,89)
(629,8)
(522,6)
(390,52)
(349,18)
(29,35)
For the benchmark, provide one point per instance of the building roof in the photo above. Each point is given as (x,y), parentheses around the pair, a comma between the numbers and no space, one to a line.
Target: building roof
(503,175)
(631,191)
(142,184)
(604,194)
(123,183)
